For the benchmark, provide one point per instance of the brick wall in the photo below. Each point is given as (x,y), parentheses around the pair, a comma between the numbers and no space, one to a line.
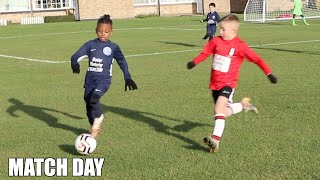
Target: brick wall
(145,10)
(190,8)
(93,9)
(222,6)
(167,9)
(17,17)
(121,9)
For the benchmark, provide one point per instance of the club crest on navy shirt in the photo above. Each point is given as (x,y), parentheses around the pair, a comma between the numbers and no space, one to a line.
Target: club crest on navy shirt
(107,51)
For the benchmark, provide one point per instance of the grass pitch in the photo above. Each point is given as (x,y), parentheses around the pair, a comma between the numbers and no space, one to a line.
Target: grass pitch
(156,132)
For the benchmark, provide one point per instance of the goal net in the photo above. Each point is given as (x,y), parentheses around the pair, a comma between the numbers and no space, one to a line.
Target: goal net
(273,10)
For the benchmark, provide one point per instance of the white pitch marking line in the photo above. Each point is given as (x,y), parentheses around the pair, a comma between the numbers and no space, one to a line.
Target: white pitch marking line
(30,59)
(76,32)
(142,28)
(263,45)
(156,53)
(165,52)
(48,34)
(294,42)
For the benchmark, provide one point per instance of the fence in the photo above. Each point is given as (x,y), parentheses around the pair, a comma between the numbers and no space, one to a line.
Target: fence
(3,22)
(32,20)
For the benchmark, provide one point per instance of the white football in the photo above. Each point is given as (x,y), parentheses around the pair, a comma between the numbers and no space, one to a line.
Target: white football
(85,144)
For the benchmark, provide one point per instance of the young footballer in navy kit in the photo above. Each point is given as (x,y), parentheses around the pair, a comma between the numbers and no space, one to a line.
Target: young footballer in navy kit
(212,20)
(101,53)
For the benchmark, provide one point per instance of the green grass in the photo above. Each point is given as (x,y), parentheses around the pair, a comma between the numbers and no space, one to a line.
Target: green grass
(156,132)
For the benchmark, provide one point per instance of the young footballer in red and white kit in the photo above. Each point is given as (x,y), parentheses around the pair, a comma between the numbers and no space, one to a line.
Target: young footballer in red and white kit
(229,52)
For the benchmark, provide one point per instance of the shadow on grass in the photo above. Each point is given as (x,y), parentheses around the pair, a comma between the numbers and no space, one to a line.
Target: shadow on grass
(70,149)
(159,126)
(288,50)
(40,113)
(178,43)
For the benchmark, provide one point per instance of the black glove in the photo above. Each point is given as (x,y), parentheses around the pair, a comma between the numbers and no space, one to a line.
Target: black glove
(75,68)
(131,84)
(273,79)
(191,65)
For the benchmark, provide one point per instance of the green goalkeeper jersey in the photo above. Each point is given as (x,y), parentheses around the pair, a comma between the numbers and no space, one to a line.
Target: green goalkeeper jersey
(297,7)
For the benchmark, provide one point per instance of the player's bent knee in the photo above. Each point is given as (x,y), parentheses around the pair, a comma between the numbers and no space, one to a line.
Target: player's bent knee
(94,99)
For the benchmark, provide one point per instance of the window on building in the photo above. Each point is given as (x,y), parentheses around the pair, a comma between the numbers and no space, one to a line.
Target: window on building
(25,5)
(146,2)
(14,5)
(152,2)
(177,1)
(52,4)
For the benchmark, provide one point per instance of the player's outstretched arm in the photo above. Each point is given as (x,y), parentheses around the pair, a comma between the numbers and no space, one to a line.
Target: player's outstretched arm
(273,79)
(255,58)
(201,57)
(130,84)
(191,65)
(122,62)
(78,56)
(203,20)
(205,53)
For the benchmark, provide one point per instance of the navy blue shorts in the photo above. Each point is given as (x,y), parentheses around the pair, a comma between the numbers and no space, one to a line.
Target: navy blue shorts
(94,110)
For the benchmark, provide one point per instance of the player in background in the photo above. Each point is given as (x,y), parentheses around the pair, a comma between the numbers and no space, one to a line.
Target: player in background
(212,20)
(101,53)
(229,52)
(297,11)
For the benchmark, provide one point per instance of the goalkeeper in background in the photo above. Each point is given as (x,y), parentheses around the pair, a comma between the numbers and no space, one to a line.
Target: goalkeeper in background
(297,11)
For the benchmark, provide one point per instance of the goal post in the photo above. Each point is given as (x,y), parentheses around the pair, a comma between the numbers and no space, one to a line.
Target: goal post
(274,10)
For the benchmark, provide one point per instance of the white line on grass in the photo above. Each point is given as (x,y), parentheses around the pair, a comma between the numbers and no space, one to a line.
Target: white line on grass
(89,31)
(142,28)
(262,45)
(48,34)
(30,59)
(157,53)
(76,32)
(284,43)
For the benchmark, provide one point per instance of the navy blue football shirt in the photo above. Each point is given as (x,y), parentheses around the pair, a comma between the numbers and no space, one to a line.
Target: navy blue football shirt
(101,56)
(213,18)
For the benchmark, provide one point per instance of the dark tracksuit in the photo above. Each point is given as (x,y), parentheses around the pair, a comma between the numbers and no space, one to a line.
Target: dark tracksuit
(212,20)
(99,74)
